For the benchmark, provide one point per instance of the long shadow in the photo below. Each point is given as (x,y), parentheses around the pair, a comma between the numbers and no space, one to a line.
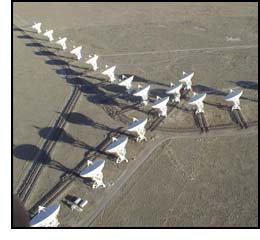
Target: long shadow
(58,62)
(28,152)
(60,135)
(210,91)
(45,53)
(153,93)
(217,105)
(25,152)
(247,84)
(68,72)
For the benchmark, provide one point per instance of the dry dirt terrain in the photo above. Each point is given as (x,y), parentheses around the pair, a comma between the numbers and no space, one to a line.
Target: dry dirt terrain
(172,180)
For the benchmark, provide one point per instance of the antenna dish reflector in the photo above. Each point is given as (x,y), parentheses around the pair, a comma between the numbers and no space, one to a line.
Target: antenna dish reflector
(37,27)
(143,93)
(93,62)
(94,171)
(47,217)
(197,99)
(186,79)
(117,147)
(127,82)
(161,105)
(77,51)
(175,90)
(234,96)
(62,42)
(49,34)
(138,126)
(110,73)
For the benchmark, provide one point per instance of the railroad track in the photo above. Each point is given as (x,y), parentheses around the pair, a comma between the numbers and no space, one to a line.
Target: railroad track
(67,178)
(203,124)
(239,118)
(42,156)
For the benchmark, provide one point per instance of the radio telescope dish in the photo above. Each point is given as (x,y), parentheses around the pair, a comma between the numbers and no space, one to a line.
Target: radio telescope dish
(234,96)
(127,82)
(49,34)
(77,51)
(143,93)
(46,217)
(161,105)
(93,61)
(62,42)
(110,73)
(197,99)
(37,27)
(138,127)
(94,171)
(186,79)
(175,91)
(117,147)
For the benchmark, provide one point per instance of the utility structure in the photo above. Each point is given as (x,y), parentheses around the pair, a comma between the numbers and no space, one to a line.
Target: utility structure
(110,72)
(161,105)
(46,217)
(49,35)
(94,171)
(127,83)
(138,126)
(186,80)
(197,100)
(37,27)
(143,93)
(175,90)
(118,147)
(77,51)
(62,43)
(234,96)
(93,61)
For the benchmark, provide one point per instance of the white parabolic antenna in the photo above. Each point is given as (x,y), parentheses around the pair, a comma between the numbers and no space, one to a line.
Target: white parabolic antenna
(186,79)
(197,99)
(93,62)
(127,83)
(47,217)
(143,93)
(110,73)
(94,171)
(37,27)
(49,34)
(161,105)
(138,126)
(175,90)
(234,96)
(77,52)
(117,147)
(62,42)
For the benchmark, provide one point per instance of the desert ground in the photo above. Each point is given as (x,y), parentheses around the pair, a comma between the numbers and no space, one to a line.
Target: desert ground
(173,179)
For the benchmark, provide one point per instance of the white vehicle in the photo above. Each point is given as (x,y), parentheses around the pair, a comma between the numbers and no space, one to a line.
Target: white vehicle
(127,82)
(117,147)
(93,61)
(197,99)
(37,27)
(143,93)
(49,35)
(110,72)
(62,42)
(94,171)
(77,51)
(46,217)
(186,79)
(138,126)
(161,105)
(175,91)
(234,96)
